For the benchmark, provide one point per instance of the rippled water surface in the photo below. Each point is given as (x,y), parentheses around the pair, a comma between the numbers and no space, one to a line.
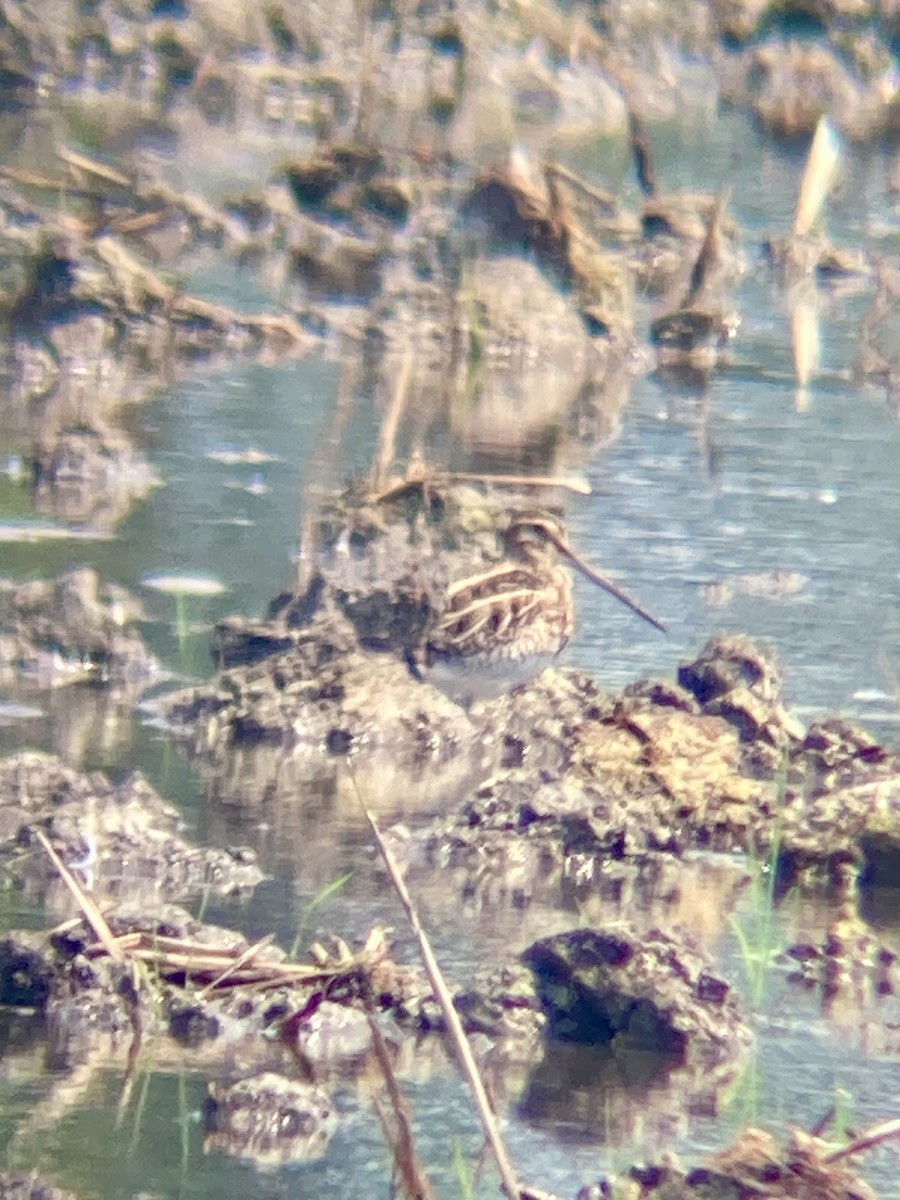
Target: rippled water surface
(743,478)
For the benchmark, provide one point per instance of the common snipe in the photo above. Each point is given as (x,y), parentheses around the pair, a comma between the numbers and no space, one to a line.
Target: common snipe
(503,626)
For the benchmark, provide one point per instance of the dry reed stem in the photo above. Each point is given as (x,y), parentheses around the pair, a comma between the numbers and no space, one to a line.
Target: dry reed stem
(323,468)
(454,1025)
(821,168)
(710,253)
(242,959)
(599,195)
(222,968)
(387,434)
(416,1183)
(579,486)
(872,1137)
(50,183)
(84,899)
(80,163)
(126,942)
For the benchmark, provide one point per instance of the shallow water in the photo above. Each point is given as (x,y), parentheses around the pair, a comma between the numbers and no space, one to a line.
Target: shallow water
(742,480)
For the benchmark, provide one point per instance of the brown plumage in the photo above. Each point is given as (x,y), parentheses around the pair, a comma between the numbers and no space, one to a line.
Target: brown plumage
(509,622)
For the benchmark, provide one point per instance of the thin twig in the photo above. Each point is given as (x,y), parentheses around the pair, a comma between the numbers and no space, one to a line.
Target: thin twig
(249,954)
(319,477)
(454,1025)
(818,1130)
(84,899)
(387,434)
(579,486)
(416,1183)
(569,483)
(91,166)
(605,199)
(872,1137)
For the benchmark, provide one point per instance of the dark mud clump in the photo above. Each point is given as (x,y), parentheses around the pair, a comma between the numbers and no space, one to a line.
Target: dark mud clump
(30,1187)
(90,476)
(650,992)
(656,771)
(122,839)
(269,1118)
(757,1164)
(73,629)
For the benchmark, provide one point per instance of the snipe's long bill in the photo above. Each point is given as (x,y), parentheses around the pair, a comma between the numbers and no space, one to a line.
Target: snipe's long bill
(501,627)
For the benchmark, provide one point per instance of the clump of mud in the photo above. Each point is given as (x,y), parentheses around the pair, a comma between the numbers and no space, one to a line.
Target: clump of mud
(73,629)
(122,839)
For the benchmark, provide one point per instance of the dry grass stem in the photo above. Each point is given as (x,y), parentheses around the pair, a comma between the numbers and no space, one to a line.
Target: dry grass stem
(323,467)
(387,435)
(872,1137)
(242,959)
(399,1136)
(83,899)
(579,486)
(215,968)
(82,165)
(454,1025)
(427,479)
(557,171)
(821,168)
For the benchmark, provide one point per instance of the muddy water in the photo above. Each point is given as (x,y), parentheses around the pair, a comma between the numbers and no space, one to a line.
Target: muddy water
(743,479)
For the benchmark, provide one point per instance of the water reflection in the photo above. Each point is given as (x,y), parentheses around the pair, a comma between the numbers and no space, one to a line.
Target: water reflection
(85,726)
(603,1097)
